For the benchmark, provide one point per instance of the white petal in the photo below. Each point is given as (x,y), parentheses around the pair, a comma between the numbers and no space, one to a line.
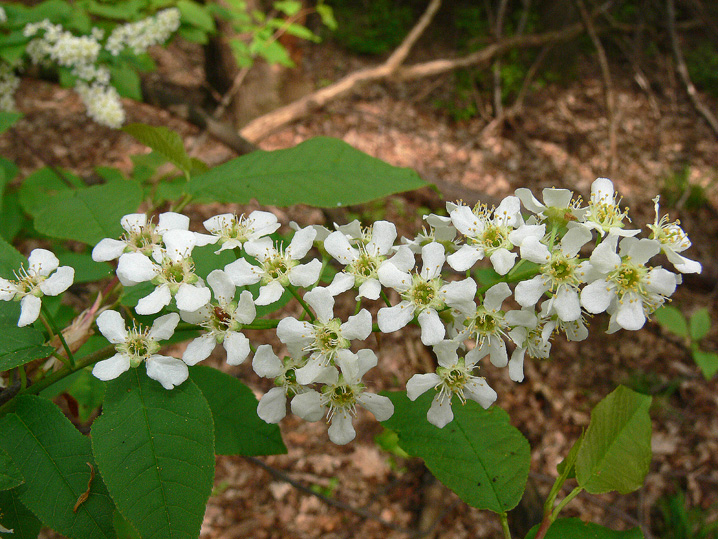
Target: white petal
(273,405)
(532,249)
(305,274)
(261,249)
(370,289)
(153,303)
(394,318)
(479,391)
(29,310)
(434,256)
(291,330)
(432,329)
(341,283)
(312,371)
(391,276)
(242,273)
(179,243)
(338,246)
(661,281)
(266,363)
(457,292)
(171,221)
(516,365)
(222,286)
(440,413)
(246,311)
(199,349)
(322,301)
(380,406)
(604,257)
(630,314)
(112,326)
(503,260)
(220,222)
(134,222)
(567,304)
(308,406)
(466,222)
(643,250)
(382,238)
(58,282)
(190,297)
(521,234)
(357,327)
(262,223)
(495,296)
(367,360)
(602,191)
(341,431)
(683,264)
(420,384)
(8,289)
(301,243)
(403,259)
(237,346)
(508,211)
(108,249)
(42,262)
(168,371)
(164,327)
(269,293)
(597,296)
(203,314)
(557,198)
(136,267)
(497,350)
(530,202)
(109,369)
(446,353)
(574,239)
(529,292)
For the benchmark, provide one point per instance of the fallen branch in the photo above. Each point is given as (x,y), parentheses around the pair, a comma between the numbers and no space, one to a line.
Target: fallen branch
(683,71)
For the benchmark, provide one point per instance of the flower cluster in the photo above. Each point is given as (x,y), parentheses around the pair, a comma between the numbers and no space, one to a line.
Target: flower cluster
(547,279)
(53,45)
(9,82)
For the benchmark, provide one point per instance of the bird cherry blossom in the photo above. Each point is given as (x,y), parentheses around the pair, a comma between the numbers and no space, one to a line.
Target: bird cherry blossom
(453,376)
(43,277)
(529,336)
(604,214)
(673,240)
(137,345)
(231,231)
(558,207)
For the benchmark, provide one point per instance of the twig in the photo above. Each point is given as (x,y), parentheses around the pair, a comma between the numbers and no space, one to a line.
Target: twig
(498,31)
(262,126)
(683,71)
(607,86)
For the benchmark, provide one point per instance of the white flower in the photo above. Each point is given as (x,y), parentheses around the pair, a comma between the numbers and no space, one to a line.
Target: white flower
(488,233)
(453,377)
(142,34)
(603,214)
(136,345)
(363,261)
(486,326)
(223,321)
(529,336)
(326,336)
(561,273)
(232,231)
(273,405)
(423,294)
(37,281)
(340,396)
(673,240)
(278,267)
(102,102)
(173,276)
(558,207)
(627,290)
(441,230)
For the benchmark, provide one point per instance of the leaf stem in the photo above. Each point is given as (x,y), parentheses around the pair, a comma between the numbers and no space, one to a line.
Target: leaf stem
(47,318)
(301,301)
(505,525)
(571,495)
(186,199)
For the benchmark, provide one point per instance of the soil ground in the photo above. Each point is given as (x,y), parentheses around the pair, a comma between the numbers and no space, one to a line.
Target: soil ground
(559,140)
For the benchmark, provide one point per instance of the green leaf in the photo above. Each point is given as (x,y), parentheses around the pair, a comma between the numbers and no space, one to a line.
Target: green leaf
(574,528)
(707,362)
(87,215)
(327,15)
(237,428)
(124,529)
(700,324)
(43,183)
(155,450)
(616,450)
(10,476)
(164,141)
(17,517)
(21,345)
(86,269)
(566,468)
(193,35)
(10,260)
(195,14)
(322,172)
(672,319)
(479,455)
(126,81)
(288,7)
(55,459)
(9,314)
(12,219)
(8,119)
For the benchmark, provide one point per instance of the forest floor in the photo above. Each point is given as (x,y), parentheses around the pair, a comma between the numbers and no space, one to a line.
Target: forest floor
(559,140)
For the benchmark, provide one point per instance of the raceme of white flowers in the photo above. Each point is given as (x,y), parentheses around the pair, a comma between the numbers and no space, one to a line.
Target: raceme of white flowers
(53,45)
(555,264)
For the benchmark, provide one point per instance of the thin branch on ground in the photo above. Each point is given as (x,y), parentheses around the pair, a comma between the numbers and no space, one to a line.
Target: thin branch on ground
(683,70)
(607,87)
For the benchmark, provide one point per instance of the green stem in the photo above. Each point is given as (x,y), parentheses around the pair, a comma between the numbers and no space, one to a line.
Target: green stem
(571,495)
(505,525)
(46,382)
(385,298)
(23,377)
(186,199)
(524,275)
(46,318)
(301,301)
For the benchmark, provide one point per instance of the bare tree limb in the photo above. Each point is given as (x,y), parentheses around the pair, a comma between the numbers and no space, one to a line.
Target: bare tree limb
(498,33)
(683,71)
(262,126)
(607,86)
